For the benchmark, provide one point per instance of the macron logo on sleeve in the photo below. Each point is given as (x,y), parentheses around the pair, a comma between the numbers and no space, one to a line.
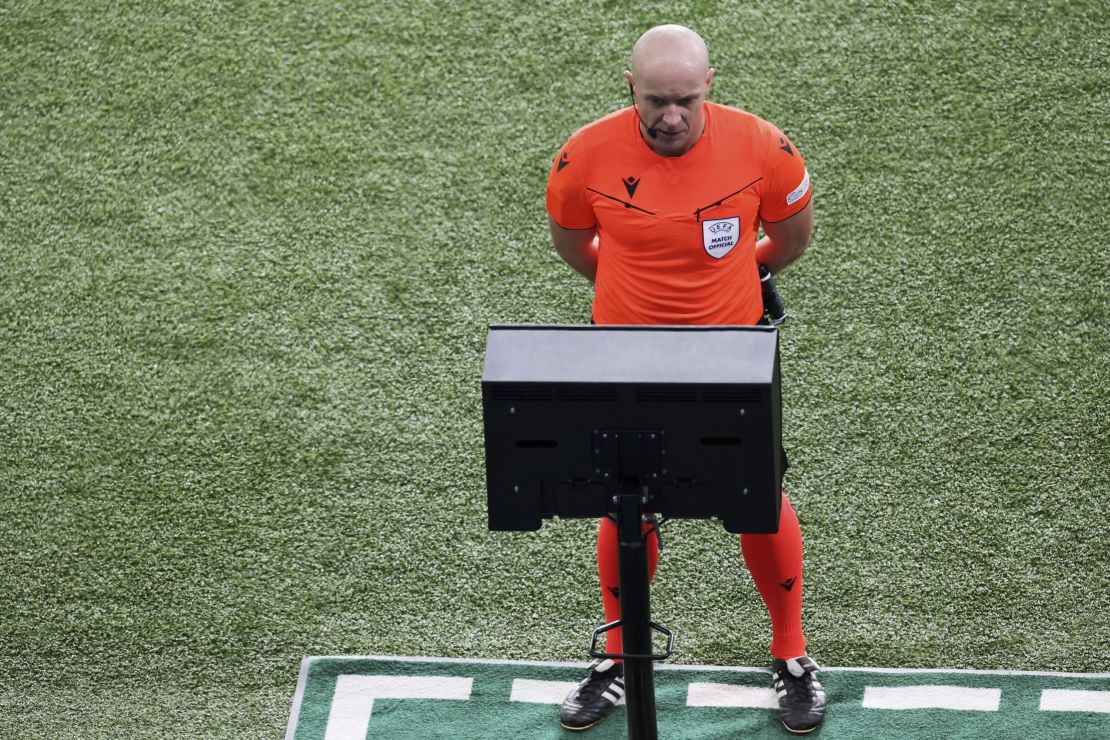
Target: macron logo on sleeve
(796,194)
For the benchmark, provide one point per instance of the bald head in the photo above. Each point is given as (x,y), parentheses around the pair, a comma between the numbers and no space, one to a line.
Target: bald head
(669,46)
(669,78)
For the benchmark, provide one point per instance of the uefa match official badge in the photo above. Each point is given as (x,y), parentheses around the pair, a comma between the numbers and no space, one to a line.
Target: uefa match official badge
(720,235)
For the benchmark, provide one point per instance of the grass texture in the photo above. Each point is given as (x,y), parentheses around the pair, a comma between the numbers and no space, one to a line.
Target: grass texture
(250,251)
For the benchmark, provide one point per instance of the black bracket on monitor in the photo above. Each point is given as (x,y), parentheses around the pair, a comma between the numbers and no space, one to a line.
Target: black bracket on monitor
(624,457)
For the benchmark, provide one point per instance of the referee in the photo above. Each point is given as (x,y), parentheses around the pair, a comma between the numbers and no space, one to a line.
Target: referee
(660,206)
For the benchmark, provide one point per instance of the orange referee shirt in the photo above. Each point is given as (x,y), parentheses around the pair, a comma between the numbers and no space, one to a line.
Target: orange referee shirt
(677,234)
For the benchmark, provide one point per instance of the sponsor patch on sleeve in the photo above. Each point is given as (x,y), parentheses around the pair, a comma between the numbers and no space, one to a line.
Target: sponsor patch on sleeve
(797,193)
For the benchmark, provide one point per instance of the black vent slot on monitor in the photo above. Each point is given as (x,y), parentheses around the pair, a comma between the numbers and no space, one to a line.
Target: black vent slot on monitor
(521,393)
(733,394)
(536,443)
(721,441)
(586,393)
(666,393)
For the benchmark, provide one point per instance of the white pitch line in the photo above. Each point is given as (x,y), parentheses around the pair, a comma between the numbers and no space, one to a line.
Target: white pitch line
(706,668)
(726,695)
(540,692)
(353,702)
(932,697)
(1070,700)
(298,697)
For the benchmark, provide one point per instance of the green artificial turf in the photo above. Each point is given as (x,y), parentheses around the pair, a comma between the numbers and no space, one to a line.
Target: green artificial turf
(249,253)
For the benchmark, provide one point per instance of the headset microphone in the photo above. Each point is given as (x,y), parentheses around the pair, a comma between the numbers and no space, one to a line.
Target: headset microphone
(651,131)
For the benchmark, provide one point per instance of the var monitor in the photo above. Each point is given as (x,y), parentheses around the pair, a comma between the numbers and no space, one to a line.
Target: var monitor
(688,417)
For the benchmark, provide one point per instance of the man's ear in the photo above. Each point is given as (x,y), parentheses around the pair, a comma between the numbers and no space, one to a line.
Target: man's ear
(709,78)
(628,79)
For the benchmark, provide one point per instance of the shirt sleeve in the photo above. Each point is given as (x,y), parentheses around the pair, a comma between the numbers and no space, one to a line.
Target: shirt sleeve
(566,191)
(787,189)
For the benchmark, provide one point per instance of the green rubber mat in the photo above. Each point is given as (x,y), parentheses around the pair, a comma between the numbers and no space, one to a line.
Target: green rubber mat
(394,697)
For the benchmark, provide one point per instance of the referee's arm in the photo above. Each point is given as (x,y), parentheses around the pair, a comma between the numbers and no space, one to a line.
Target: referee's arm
(577,247)
(785,241)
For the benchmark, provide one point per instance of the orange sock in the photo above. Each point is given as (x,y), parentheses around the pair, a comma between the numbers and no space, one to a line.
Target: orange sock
(775,561)
(608,569)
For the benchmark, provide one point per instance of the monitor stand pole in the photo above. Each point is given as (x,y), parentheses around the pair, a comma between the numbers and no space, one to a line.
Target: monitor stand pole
(635,622)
